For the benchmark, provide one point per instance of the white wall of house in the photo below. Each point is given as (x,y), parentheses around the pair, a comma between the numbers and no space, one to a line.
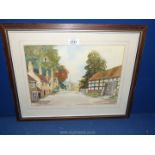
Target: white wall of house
(99,85)
(33,75)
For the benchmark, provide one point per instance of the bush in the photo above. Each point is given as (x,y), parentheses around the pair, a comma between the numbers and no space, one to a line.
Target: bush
(93,94)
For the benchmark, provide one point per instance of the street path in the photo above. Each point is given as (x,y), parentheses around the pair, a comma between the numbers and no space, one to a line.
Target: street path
(70,98)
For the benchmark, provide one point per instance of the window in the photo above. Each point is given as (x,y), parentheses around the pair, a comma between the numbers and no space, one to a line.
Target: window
(34,96)
(93,84)
(32,84)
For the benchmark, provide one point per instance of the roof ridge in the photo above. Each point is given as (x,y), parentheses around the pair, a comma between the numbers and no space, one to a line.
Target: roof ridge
(112,72)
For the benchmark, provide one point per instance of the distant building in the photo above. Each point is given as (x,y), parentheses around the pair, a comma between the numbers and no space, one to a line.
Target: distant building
(72,86)
(105,83)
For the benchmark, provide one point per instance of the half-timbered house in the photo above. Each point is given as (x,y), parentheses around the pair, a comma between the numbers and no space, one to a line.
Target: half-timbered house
(105,83)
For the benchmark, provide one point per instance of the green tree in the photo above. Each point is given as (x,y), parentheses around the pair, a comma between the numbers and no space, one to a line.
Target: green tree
(44,55)
(95,63)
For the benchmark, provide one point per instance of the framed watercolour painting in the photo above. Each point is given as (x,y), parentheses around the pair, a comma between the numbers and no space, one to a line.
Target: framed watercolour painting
(69,71)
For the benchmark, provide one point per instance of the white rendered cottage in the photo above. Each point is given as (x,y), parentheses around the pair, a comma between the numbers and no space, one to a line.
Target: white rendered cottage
(39,84)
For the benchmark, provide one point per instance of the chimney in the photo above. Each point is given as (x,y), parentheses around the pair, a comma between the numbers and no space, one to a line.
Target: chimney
(30,67)
(47,75)
(52,73)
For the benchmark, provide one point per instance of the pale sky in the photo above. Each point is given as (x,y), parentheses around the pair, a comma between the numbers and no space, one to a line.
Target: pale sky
(74,58)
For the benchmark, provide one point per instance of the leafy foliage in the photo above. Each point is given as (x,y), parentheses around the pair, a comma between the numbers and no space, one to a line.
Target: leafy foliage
(95,63)
(62,73)
(44,55)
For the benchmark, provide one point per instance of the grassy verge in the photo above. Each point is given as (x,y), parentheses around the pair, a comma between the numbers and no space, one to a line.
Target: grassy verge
(94,94)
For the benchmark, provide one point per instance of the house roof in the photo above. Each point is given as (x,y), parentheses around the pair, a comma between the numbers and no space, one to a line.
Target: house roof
(43,78)
(110,73)
(30,78)
(38,88)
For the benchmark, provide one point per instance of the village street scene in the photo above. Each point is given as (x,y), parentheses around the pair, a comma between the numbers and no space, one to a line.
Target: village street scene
(56,76)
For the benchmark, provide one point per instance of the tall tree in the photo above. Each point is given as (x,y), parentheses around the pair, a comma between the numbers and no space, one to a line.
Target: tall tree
(45,56)
(62,75)
(95,63)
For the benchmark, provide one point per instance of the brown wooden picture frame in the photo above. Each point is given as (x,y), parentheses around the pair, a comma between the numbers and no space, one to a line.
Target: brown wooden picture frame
(5,27)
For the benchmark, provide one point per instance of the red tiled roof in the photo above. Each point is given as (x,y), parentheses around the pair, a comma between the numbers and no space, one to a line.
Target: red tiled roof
(110,73)
(43,78)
